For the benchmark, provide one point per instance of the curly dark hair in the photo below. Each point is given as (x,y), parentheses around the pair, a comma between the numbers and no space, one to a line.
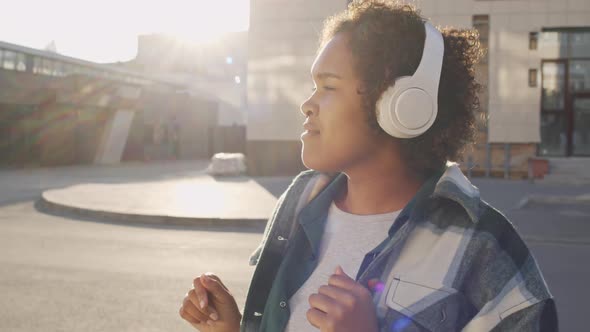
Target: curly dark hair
(386,39)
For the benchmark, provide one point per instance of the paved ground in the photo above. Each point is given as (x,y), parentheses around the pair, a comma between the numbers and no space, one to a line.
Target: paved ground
(509,194)
(196,198)
(61,274)
(566,271)
(183,193)
(69,274)
(167,190)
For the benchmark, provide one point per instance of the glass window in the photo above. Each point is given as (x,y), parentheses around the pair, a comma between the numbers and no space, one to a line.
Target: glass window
(565,44)
(9,60)
(553,91)
(532,77)
(482,24)
(581,134)
(579,76)
(533,40)
(580,44)
(37,65)
(46,67)
(58,68)
(21,62)
(553,135)
(553,44)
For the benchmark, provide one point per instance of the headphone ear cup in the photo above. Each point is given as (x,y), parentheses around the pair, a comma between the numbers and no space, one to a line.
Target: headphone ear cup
(404,110)
(409,107)
(414,110)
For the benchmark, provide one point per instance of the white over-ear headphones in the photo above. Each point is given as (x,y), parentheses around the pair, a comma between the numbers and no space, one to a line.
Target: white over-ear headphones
(408,108)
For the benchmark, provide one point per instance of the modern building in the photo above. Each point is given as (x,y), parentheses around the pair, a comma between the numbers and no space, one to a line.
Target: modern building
(58,110)
(536,74)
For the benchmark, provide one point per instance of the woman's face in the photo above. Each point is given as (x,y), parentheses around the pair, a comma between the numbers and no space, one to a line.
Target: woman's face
(337,135)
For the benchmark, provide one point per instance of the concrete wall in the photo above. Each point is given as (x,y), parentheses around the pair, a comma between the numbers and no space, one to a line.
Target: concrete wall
(170,125)
(115,138)
(203,68)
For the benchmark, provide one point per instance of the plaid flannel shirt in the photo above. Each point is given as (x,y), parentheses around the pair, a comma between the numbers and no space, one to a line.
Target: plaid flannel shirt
(450,262)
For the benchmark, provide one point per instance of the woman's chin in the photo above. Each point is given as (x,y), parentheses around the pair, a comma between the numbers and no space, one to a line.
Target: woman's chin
(310,162)
(317,164)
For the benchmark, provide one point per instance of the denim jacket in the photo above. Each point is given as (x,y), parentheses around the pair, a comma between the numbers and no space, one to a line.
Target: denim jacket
(450,261)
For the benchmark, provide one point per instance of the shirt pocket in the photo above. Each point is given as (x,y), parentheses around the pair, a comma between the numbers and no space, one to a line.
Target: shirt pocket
(434,306)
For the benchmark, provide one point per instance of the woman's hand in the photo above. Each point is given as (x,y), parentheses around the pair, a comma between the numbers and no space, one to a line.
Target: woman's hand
(210,307)
(342,305)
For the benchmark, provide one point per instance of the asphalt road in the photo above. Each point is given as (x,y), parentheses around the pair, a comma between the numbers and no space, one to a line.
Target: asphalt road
(559,236)
(63,274)
(60,274)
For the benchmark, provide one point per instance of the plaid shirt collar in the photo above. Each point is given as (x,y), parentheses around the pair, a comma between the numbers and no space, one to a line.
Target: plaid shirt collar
(448,183)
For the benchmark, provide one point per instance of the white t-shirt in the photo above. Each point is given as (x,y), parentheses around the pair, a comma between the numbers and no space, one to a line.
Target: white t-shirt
(346,240)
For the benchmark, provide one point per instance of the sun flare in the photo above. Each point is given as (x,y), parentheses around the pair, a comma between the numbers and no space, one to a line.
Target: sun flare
(107,31)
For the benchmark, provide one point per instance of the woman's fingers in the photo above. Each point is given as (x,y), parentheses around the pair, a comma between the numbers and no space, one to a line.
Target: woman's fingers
(189,308)
(210,302)
(321,302)
(216,290)
(188,317)
(208,311)
(316,317)
(201,293)
(216,278)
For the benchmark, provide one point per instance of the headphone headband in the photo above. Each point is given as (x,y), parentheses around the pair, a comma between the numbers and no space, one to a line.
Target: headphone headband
(429,69)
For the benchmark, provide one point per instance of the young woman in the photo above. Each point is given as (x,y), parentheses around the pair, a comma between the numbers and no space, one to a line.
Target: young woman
(383,233)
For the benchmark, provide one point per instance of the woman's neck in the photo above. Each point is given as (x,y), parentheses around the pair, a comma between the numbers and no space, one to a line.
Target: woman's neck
(376,189)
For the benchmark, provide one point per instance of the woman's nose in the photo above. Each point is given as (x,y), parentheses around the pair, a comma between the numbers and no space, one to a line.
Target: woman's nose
(307,108)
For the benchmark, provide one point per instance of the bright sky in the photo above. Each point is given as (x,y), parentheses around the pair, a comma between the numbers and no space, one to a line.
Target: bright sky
(106,30)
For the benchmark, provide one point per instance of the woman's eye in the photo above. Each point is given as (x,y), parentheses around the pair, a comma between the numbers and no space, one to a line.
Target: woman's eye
(329,88)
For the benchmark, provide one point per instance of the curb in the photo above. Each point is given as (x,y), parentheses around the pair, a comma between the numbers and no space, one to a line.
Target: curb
(555,200)
(50,207)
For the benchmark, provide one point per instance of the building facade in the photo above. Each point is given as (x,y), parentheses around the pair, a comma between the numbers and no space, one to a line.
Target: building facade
(215,70)
(58,110)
